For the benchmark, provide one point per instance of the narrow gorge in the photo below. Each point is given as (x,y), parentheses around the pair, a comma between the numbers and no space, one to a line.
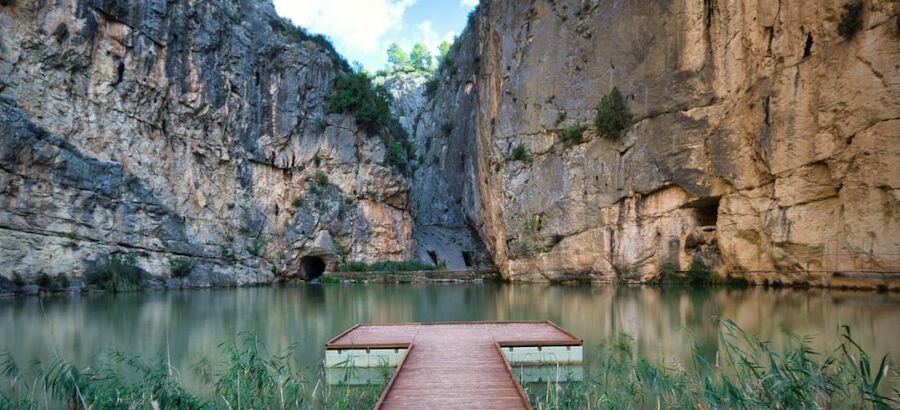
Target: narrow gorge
(762,144)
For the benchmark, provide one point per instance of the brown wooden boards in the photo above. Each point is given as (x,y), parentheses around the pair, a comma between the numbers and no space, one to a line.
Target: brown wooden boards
(454,364)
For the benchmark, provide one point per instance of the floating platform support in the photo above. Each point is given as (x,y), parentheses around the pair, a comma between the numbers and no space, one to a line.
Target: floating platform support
(454,364)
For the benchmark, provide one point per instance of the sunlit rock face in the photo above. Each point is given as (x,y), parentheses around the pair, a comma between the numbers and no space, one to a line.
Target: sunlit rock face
(182,130)
(763,142)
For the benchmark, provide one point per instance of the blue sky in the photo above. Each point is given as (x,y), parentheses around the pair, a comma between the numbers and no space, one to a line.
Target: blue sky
(361,30)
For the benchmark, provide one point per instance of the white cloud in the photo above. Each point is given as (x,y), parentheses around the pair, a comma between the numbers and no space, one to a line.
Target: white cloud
(430,37)
(468,3)
(358,25)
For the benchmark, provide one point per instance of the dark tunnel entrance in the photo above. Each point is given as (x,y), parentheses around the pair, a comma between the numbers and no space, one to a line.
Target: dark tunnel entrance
(311,267)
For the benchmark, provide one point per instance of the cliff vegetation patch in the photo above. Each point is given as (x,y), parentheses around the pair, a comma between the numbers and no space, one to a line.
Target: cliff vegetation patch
(612,115)
(851,20)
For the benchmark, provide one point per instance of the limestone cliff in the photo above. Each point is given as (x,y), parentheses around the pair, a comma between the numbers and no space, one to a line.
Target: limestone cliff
(763,142)
(183,130)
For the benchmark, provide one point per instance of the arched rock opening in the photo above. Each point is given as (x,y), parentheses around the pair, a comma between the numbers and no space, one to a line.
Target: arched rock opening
(311,267)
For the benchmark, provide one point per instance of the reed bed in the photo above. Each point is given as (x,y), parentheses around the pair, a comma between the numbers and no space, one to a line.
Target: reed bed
(747,373)
(245,377)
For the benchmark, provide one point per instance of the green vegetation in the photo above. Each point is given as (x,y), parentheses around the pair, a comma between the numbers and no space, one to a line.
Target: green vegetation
(299,35)
(317,160)
(746,373)
(320,122)
(398,157)
(354,93)
(431,86)
(385,266)
(573,135)
(443,50)
(530,241)
(181,267)
(420,58)
(321,178)
(520,153)
(851,20)
(255,247)
(612,116)
(43,280)
(397,58)
(119,272)
(227,253)
(18,280)
(298,201)
(245,376)
(328,279)
(698,273)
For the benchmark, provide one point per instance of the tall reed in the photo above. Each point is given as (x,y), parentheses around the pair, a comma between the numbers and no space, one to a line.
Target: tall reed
(746,373)
(247,377)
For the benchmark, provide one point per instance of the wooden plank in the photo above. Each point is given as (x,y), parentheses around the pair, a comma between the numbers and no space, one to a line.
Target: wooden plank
(454,364)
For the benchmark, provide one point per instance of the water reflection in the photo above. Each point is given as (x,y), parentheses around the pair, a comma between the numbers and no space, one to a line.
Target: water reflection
(191,324)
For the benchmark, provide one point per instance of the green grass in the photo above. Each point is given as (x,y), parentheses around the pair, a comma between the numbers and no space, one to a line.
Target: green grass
(520,153)
(573,135)
(746,373)
(244,375)
(255,247)
(385,266)
(321,178)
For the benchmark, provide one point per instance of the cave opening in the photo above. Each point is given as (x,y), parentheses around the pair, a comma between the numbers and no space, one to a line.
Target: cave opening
(311,267)
(707,215)
(467,258)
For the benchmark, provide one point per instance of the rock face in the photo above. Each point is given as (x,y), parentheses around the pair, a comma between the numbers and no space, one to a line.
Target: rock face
(763,142)
(182,130)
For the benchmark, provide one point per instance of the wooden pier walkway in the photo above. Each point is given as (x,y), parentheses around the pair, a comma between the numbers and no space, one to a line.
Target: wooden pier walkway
(454,364)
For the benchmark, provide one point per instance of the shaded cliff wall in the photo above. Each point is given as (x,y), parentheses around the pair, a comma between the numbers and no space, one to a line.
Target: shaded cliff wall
(763,142)
(196,127)
(444,197)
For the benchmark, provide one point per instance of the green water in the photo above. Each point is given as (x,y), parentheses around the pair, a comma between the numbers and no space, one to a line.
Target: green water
(192,324)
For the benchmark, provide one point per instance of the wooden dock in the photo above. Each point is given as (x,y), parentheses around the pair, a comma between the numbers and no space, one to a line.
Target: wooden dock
(454,364)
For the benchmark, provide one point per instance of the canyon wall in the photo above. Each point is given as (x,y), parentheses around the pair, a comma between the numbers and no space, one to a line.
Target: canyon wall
(183,130)
(763,143)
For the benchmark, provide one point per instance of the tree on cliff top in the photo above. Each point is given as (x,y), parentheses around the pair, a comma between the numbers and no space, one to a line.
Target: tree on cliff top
(397,58)
(420,58)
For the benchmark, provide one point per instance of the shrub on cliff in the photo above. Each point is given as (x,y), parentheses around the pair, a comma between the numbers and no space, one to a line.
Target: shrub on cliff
(321,178)
(397,157)
(354,93)
(255,248)
(573,135)
(181,267)
(612,116)
(299,35)
(520,153)
(117,273)
(851,20)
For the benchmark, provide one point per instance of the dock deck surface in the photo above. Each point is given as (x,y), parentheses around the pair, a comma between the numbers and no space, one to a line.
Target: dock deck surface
(453,365)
